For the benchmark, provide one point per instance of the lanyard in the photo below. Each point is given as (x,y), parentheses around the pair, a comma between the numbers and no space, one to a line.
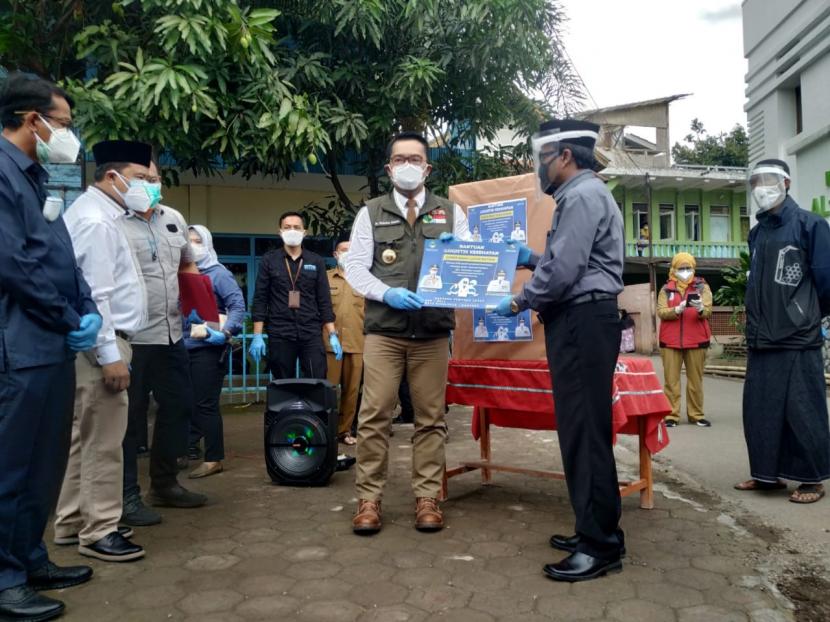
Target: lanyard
(293,278)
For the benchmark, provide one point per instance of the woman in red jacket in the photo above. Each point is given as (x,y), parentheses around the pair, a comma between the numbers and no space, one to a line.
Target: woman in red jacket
(684,306)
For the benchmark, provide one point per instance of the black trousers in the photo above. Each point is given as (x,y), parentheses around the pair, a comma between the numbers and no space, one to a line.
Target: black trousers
(283,356)
(582,344)
(207,372)
(164,370)
(35,429)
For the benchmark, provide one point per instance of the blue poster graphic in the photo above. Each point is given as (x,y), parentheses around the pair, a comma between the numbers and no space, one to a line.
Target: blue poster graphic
(488,326)
(466,275)
(498,222)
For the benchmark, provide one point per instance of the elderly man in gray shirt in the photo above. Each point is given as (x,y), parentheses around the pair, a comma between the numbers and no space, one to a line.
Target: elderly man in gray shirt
(574,289)
(158,237)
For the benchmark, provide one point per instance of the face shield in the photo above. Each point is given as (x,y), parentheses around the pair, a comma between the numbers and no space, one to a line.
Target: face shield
(766,189)
(547,147)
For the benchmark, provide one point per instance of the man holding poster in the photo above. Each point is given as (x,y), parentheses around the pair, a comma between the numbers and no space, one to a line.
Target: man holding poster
(384,263)
(574,289)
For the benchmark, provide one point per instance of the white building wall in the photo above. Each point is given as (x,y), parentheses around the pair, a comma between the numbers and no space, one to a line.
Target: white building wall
(787,45)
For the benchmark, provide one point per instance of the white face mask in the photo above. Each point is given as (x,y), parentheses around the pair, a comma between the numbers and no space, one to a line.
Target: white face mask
(199,251)
(767,197)
(62,148)
(341,259)
(407,176)
(139,196)
(684,275)
(292,237)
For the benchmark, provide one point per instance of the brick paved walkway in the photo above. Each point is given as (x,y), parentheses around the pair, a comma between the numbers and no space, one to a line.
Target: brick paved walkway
(264,552)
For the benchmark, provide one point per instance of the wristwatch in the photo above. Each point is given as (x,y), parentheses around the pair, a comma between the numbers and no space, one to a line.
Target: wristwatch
(514,306)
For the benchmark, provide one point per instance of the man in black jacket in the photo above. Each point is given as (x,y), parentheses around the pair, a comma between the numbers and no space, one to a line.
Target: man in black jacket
(292,303)
(788,291)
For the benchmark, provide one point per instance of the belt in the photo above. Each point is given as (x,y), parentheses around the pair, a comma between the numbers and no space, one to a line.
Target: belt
(122,334)
(548,312)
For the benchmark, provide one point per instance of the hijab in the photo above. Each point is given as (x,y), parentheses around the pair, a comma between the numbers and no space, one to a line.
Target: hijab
(678,260)
(211,258)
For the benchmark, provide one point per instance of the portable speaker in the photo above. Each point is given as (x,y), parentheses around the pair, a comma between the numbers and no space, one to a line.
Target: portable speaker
(301,431)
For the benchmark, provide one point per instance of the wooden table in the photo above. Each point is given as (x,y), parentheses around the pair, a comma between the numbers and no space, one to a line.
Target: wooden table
(517,394)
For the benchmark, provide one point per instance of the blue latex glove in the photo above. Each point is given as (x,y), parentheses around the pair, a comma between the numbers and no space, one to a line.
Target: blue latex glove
(215,337)
(85,336)
(446,237)
(335,345)
(402,298)
(257,349)
(194,317)
(524,252)
(503,308)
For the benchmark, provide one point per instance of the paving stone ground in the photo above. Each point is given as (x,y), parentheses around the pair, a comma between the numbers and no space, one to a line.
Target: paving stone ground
(265,552)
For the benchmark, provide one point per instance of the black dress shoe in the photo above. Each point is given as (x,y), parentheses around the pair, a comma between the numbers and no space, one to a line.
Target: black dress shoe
(136,514)
(112,548)
(568,543)
(125,531)
(176,496)
(23,603)
(581,567)
(53,577)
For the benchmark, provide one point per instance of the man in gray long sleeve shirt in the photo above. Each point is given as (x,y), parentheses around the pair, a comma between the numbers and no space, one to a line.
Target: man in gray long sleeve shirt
(574,289)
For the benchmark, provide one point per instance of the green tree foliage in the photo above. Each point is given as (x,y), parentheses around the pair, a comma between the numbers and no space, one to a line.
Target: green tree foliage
(733,294)
(258,86)
(725,149)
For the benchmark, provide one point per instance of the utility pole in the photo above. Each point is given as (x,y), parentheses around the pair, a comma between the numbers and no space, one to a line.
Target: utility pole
(652,272)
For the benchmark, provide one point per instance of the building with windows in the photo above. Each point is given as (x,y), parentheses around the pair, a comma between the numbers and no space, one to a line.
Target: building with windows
(787,47)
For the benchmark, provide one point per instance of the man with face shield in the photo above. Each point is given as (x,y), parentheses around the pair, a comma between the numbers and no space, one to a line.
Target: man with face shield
(574,289)
(158,237)
(88,515)
(402,338)
(47,314)
(788,292)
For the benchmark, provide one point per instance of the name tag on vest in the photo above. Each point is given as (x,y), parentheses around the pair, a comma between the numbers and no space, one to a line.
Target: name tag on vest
(387,223)
(310,267)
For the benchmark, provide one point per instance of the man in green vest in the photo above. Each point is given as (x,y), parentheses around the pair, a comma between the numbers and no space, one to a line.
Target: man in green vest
(402,336)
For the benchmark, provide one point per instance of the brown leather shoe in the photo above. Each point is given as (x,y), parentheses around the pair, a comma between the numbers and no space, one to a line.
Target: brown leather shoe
(428,516)
(366,520)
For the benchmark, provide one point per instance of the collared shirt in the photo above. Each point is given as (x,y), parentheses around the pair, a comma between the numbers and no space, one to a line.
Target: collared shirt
(585,249)
(362,246)
(42,291)
(349,311)
(96,224)
(270,303)
(160,245)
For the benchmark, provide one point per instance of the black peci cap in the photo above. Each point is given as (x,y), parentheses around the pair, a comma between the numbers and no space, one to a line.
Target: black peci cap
(122,151)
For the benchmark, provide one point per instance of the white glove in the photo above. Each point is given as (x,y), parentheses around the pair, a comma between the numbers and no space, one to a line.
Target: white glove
(680,308)
(698,304)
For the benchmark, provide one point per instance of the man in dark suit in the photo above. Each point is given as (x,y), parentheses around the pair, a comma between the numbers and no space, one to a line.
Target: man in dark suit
(46,315)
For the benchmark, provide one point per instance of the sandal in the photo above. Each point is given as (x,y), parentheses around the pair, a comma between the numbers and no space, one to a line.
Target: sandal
(807,493)
(754,484)
(347,439)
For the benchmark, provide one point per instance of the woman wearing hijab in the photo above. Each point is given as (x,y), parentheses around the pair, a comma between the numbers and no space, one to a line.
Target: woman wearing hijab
(208,355)
(684,306)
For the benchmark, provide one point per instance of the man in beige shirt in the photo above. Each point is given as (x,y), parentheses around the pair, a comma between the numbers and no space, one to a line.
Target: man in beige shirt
(348,373)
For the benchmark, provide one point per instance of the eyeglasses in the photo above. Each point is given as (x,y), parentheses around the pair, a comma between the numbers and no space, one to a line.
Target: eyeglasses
(548,156)
(417,160)
(61,122)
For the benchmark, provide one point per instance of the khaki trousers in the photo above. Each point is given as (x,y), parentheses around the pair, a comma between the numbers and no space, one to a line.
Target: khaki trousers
(346,373)
(384,361)
(90,501)
(673,360)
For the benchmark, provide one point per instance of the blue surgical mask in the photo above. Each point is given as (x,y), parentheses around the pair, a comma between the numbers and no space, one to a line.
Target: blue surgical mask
(154,190)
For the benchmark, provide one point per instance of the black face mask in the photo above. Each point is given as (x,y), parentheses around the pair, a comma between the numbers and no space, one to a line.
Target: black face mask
(545,182)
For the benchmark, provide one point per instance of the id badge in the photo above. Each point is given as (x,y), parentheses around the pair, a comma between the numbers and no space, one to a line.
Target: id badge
(294,299)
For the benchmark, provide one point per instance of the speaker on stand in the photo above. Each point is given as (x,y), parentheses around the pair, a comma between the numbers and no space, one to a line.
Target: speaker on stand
(301,431)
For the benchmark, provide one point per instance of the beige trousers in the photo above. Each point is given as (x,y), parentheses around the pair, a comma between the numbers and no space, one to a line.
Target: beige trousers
(673,360)
(346,373)
(384,362)
(90,502)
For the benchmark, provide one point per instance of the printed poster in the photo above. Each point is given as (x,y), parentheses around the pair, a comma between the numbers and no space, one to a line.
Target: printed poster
(488,326)
(498,222)
(466,275)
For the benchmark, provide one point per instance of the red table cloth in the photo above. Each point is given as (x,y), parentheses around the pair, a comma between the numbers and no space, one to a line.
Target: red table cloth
(517,394)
